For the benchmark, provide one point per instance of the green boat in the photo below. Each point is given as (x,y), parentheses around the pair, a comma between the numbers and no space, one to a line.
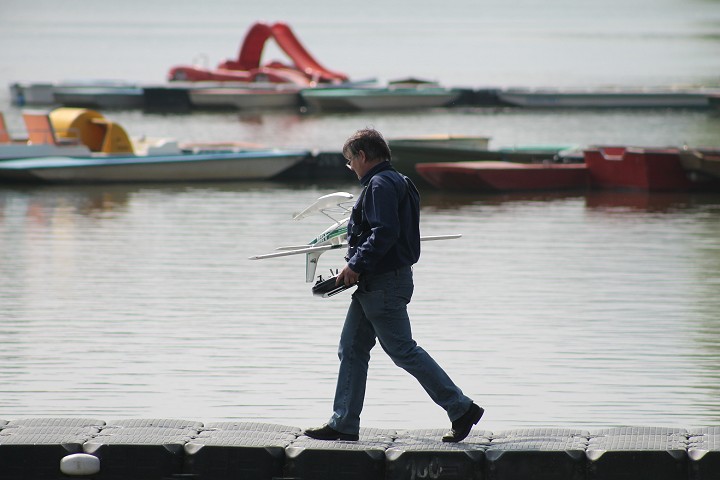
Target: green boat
(372,98)
(408,152)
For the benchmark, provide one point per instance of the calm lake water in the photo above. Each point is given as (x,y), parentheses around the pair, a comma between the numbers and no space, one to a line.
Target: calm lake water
(139,301)
(587,310)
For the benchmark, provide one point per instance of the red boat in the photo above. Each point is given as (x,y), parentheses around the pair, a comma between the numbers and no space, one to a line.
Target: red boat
(651,169)
(490,176)
(306,70)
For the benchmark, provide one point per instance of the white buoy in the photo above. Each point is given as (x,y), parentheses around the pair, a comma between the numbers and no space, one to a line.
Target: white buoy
(80,464)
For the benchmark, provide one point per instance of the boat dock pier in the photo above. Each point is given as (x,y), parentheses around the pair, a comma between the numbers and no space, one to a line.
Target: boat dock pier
(163,449)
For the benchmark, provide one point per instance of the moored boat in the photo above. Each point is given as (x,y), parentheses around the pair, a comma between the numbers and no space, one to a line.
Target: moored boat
(608,97)
(72,145)
(181,167)
(496,176)
(245,99)
(378,98)
(95,93)
(99,97)
(409,151)
(651,169)
(441,142)
(458,148)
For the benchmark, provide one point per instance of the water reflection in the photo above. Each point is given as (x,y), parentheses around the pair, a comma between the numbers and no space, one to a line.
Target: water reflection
(444,200)
(606,201)
(610,201)
(39,203)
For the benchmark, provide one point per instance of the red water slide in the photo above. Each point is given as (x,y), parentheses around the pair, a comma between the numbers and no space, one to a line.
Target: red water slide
(252,48)
(305,71)
(290,44)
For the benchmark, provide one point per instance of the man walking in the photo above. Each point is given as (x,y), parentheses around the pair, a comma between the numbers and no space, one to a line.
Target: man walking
(383,244)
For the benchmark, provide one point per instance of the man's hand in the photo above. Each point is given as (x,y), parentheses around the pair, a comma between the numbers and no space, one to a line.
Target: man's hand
(347,276)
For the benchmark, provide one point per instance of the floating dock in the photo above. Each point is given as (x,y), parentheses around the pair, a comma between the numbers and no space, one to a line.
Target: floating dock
(253,96)
(164,449)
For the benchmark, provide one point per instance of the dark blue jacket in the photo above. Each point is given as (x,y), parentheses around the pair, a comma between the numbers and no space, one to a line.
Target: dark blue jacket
(384,227)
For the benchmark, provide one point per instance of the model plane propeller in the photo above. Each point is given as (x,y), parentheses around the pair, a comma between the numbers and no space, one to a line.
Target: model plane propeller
(336,206)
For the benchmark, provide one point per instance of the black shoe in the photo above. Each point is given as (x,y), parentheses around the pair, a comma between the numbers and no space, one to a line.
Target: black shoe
(462,426)
(326,432)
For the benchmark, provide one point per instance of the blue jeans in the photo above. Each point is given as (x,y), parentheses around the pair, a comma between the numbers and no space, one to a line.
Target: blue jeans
(379,310)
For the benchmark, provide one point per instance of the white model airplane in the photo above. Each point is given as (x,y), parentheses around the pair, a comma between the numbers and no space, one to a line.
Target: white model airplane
(336,206)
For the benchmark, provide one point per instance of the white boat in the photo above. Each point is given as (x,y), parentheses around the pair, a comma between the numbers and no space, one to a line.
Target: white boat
(244,98)
(72,145)
(607,97)
(181,167)
(382,98)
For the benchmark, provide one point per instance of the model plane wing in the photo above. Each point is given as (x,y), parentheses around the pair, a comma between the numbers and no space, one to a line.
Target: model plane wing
(430,238)
(298,251)
(332,200)
(293,247)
